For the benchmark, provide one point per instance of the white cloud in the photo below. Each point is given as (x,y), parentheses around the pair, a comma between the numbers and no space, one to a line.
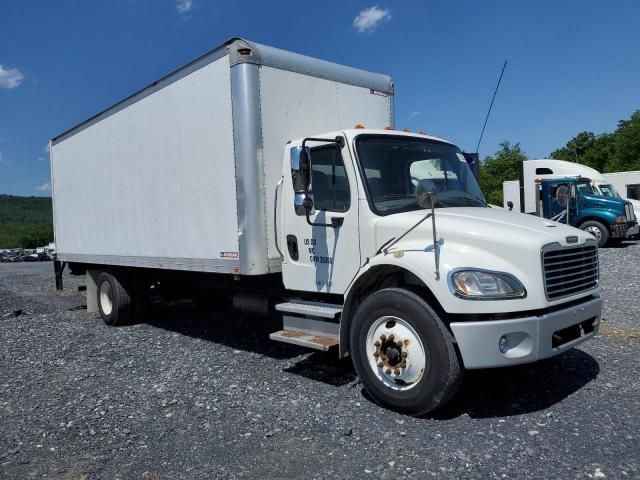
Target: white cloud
(45,187)
(414,114)
(184,6)
(10,77)
(369,18)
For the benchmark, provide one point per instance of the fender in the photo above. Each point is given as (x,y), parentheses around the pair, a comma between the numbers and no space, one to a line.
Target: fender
(377,274)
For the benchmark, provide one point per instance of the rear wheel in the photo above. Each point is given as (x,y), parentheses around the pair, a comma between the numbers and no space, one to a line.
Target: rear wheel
(598,230)
(114,299)
(403,353)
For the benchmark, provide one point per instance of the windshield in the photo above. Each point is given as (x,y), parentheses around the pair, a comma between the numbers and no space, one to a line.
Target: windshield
(608,190)
(585,188)
(393,167)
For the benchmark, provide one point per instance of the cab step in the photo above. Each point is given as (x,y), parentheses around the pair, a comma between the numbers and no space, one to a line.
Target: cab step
(304,339)
(308,332)
(312,309)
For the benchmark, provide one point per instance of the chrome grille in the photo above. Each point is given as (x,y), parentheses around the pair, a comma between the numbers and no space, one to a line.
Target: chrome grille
(568,271)
(628,210)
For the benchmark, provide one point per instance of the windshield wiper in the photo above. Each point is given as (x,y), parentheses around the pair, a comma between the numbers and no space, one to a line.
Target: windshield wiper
(470,197)
(393,195)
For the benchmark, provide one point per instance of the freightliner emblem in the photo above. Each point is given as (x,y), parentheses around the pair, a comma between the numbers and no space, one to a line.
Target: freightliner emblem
(572,239)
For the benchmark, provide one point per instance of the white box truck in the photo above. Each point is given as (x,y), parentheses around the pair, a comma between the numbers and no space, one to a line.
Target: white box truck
(239,175)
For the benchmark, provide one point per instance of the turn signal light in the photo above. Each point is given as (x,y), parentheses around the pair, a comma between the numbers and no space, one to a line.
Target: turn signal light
(359,125)
(620,219)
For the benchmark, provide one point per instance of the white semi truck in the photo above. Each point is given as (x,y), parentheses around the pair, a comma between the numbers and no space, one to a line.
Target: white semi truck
(238,176)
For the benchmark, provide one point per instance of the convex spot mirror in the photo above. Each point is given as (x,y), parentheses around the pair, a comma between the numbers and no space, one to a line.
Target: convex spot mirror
(563,193)
(426,194)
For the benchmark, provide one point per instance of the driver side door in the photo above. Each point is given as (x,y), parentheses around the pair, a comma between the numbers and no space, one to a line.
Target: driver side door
(319,257)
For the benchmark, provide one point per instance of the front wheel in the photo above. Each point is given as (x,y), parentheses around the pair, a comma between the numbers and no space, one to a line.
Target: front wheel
(403,353)
(598,230)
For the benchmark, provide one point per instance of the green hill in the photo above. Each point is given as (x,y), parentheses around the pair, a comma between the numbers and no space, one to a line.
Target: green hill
(25,221)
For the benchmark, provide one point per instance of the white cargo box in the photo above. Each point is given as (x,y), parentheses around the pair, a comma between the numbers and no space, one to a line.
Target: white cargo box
(182,174)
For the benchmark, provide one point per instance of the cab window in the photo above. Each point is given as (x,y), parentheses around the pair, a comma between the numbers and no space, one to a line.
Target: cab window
(330,185)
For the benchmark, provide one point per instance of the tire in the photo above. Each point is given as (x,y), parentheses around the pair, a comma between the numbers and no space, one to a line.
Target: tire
(431,374)
(598,230)
(114,299)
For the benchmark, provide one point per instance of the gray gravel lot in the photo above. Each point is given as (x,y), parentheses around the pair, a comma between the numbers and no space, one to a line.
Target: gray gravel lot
(191,395)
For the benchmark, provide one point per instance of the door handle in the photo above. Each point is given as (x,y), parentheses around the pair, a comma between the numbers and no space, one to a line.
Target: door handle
(292,246)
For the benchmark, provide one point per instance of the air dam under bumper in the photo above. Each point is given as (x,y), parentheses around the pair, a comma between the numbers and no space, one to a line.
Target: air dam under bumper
(527,339)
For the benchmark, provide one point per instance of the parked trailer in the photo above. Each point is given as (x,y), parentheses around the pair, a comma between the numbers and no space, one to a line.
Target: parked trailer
(218,181)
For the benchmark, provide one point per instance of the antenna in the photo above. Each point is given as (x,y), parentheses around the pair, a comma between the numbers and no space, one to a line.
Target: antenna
(490,106)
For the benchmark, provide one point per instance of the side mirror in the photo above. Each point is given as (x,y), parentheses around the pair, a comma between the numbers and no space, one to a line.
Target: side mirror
(510,205)
(426,194)
(305,169)
(300,159)
(301,169)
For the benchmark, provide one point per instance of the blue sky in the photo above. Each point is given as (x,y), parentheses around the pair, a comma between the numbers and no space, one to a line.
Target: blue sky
(573,65)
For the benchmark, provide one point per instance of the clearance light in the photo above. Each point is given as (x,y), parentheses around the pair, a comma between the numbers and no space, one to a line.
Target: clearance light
(421,132)
(359,125)
(405,129)
(388,127)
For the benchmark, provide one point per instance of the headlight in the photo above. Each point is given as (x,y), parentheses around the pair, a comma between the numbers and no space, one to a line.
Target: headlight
(483,285)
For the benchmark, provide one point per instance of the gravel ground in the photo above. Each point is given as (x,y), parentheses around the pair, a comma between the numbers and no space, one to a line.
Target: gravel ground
(191,395)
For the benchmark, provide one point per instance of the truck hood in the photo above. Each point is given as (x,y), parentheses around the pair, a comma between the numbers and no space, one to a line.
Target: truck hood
(610,203)
(483,227)
(477,238)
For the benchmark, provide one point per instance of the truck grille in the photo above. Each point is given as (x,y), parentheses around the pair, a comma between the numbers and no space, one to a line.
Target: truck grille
(628,210)
(568,271)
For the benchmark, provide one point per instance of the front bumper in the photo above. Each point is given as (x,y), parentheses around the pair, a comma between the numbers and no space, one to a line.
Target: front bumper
(633,230)
(621,229)
(528,339)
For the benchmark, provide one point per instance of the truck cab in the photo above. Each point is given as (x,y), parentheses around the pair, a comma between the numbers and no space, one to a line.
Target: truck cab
(392,230)
(576,202)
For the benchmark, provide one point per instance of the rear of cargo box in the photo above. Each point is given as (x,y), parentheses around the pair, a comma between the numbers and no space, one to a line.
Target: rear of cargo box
(182,174)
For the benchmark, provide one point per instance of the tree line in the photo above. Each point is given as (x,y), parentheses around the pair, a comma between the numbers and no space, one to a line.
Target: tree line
(618,151)
(25,222)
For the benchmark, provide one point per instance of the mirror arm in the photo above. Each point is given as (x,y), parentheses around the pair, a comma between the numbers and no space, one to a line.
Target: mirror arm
(338,140)
(336,222)
(396,240)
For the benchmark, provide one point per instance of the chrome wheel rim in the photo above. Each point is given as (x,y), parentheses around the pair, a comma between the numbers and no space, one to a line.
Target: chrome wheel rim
(395,353)
(595,231)
(106,298)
